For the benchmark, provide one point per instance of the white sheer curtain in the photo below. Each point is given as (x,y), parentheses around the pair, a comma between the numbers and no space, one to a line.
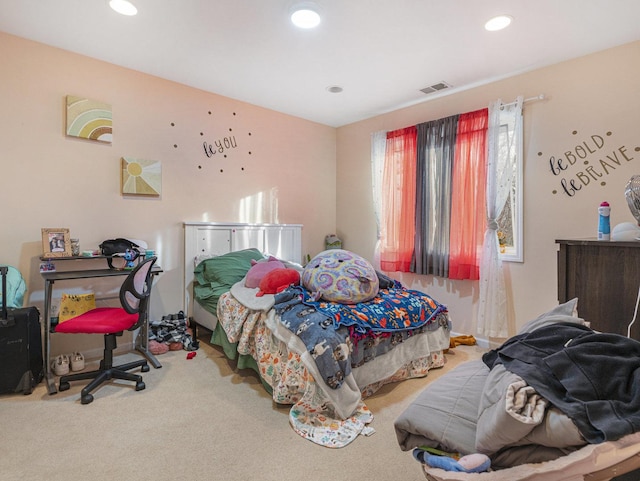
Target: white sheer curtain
(504,140)
(378,147)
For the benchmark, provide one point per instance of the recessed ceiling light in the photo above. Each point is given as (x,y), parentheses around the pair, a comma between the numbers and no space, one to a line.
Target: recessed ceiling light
(498,23)
(335,89)
(305,15)
(123,7)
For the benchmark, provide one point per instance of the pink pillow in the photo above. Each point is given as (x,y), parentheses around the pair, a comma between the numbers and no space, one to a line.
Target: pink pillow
(259,269)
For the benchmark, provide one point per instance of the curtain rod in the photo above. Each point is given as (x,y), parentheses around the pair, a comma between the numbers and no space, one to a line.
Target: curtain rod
(530,99)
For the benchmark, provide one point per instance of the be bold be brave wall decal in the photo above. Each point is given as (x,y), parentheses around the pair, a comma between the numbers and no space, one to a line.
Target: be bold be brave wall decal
(588,161)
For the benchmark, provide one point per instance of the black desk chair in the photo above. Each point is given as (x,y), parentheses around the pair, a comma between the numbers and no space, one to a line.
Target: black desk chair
(112,322)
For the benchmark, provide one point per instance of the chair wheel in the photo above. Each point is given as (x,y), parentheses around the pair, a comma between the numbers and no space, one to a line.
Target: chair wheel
(145,368)
(86,399)
(63,386)
(140,386)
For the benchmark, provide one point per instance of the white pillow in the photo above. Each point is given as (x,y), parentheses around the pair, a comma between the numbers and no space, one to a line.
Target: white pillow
(567,312)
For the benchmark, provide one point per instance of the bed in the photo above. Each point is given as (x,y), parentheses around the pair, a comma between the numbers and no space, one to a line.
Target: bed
(327,407)
(541,424)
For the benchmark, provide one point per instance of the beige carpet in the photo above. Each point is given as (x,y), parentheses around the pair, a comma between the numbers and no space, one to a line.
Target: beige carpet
(197,419)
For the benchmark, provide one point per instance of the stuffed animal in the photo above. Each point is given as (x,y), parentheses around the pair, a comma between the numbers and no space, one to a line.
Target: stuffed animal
(339,275)
(471,463)
(259,269)
(277,281)
(130,255)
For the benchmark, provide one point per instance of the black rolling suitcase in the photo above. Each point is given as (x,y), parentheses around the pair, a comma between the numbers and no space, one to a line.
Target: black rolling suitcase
(21,364)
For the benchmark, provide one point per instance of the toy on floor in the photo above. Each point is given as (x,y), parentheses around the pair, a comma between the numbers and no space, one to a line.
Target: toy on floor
(471,463)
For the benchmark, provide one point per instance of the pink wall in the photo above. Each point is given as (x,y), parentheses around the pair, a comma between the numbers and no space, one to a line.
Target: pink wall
(592,95)
(297,171)
(51,180)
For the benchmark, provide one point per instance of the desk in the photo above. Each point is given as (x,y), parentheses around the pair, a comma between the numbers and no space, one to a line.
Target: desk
(142,340)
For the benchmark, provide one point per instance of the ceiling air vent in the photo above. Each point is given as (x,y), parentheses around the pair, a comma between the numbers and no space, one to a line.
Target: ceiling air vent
(435,88)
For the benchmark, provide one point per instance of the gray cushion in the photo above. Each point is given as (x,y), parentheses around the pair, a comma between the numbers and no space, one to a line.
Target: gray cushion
(445,413)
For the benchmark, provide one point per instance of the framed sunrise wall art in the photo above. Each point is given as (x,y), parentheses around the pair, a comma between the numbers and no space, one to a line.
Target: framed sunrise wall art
(141,177)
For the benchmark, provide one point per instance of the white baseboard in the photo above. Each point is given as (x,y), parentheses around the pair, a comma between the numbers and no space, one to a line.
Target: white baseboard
(96,354)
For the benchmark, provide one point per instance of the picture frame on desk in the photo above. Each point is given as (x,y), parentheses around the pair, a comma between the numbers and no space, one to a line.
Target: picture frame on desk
(56,242)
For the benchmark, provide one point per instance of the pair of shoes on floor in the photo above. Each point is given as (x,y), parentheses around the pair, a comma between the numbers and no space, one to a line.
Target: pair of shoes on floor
(63,363)
(60,365)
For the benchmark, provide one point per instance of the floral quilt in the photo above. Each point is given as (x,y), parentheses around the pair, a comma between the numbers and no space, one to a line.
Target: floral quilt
(329,417)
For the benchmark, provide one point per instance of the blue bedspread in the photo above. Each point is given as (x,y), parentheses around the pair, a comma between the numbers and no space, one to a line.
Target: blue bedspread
(393,309)
(330,330)
(328,347)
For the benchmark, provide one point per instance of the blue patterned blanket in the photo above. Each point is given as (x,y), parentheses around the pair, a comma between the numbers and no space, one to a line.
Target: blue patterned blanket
(393,309)
(330,330)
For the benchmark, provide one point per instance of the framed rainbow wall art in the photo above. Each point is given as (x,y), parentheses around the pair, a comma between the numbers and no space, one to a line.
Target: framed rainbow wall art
(89,119)
(141,177)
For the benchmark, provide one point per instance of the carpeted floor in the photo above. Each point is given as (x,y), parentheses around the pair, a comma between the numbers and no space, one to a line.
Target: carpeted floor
(197,419)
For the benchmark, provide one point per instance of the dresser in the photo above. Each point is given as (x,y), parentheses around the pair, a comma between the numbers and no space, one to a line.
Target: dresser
(605,277)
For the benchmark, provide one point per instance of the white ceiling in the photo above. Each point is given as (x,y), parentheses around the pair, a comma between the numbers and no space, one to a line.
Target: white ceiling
(381,52)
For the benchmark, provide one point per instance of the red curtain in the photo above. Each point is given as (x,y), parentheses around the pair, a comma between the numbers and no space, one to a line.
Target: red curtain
(397,228)
(468,194)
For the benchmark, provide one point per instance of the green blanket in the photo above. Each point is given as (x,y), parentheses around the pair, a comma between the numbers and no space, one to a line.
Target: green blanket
(215,276)
(244,361)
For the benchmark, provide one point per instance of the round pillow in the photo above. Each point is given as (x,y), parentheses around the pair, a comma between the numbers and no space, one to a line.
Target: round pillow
(339,275)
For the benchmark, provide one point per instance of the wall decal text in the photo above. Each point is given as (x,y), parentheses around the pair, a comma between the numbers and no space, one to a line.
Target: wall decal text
(588,162)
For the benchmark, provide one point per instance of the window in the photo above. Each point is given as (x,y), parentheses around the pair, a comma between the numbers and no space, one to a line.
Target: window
(510,230)
(453,197)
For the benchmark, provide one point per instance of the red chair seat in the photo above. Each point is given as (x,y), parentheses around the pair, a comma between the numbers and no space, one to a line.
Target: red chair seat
(102,320)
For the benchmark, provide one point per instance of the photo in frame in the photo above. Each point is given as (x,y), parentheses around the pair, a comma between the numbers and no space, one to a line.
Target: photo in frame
(56,242)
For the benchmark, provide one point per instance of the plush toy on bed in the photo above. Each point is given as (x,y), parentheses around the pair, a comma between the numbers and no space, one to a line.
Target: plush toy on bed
(277,281)
(338,275)
(259,269)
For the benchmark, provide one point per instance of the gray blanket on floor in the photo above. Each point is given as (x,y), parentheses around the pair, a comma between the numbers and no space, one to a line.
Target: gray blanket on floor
(472,409)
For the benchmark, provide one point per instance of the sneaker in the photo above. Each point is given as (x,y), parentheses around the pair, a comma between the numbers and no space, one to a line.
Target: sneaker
(61,365)
(77,362)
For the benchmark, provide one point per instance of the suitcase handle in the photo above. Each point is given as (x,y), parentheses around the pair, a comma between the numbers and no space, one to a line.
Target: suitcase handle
(3,273)
(5,320)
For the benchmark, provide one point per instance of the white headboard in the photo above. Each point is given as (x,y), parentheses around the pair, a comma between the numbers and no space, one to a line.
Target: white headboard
(283,241)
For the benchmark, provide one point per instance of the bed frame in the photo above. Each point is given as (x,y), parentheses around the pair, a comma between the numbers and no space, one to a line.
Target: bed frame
(283,241)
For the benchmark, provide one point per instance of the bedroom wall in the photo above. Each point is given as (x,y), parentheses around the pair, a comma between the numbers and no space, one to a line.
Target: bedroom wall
(596,95)
(277,169)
